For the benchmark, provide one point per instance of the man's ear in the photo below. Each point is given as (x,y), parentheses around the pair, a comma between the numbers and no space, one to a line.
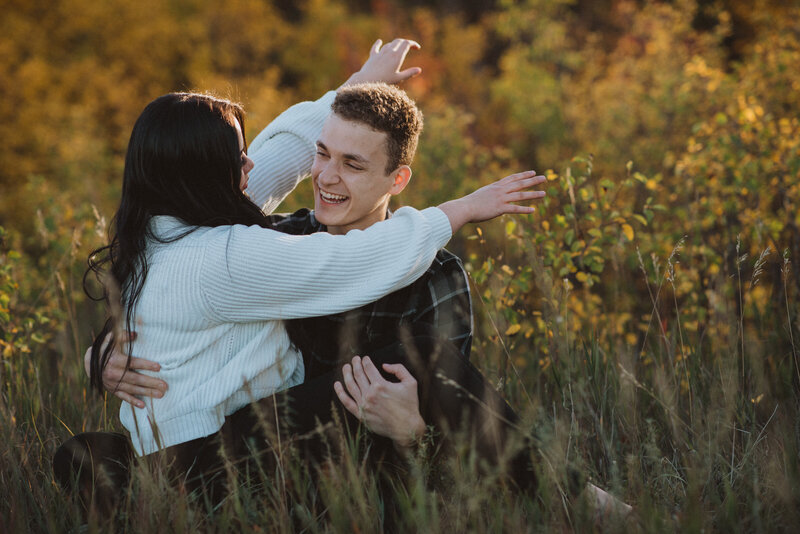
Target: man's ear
(401,177)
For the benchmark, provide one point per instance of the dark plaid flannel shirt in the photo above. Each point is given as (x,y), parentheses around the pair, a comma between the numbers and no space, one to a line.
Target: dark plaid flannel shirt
(440,299)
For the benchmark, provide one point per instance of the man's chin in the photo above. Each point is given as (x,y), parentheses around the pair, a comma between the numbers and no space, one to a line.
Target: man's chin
(321,213)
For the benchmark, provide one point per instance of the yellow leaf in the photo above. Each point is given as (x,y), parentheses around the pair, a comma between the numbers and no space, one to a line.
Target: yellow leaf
(513,329)
(506,269)
(582,277)
(627,229)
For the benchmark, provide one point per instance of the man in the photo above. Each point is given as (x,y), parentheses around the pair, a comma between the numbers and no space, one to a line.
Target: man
(362,160)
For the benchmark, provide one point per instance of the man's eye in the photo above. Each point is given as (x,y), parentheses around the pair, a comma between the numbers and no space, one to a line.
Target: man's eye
(354,167)
(321,154)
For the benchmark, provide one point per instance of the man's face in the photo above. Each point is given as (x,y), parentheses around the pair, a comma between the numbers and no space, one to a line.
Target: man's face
(351,187)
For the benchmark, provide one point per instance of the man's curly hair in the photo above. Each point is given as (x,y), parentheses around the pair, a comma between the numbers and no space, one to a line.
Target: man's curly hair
(384,108)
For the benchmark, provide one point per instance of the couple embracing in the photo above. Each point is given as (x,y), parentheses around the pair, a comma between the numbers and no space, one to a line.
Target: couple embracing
(247,329)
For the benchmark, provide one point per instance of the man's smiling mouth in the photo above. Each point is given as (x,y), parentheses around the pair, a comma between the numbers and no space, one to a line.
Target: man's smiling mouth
(332,198)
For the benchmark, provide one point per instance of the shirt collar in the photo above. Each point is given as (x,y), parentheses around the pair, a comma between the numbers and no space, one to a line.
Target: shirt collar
(322,228)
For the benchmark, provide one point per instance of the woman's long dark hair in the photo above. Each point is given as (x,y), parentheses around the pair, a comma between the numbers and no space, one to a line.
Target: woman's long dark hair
(183,160)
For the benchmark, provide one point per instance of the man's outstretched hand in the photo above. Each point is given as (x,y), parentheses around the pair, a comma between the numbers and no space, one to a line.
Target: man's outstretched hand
(498,198)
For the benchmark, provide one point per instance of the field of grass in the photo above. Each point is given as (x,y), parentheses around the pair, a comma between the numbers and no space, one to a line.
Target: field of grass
(698,434)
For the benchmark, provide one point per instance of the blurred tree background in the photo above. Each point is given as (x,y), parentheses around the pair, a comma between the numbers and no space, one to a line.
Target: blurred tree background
(667,251)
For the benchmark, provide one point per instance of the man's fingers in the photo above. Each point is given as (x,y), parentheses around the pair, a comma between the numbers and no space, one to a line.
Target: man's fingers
(519,196)
(404,48)
(350,383)
(371,371)
(358,374)
(409,73)
(525,183)
(399,370)
(349,404)
(516,208)
(519,176)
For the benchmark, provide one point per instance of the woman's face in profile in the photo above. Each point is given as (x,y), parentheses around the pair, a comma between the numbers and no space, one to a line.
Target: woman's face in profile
(247,163)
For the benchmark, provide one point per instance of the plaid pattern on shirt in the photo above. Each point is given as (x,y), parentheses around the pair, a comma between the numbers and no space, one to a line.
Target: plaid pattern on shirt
(440,299)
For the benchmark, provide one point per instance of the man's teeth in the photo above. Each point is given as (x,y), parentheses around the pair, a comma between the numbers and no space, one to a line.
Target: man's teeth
(330,197)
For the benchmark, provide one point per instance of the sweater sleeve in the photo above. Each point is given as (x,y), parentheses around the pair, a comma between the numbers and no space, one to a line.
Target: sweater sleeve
(284,151)
(251,273)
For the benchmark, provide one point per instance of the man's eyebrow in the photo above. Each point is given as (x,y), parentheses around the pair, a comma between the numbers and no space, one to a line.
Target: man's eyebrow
(352,157)
(357,158)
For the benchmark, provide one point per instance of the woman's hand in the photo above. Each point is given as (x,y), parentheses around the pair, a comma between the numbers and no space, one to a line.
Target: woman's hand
(387,408)
(495,199)
(384,63)
(123,380)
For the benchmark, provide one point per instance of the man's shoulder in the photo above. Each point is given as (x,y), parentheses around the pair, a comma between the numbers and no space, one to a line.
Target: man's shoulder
(446,275)
(446,263)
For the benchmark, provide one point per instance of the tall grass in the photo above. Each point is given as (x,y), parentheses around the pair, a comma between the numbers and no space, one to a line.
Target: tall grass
(699,429)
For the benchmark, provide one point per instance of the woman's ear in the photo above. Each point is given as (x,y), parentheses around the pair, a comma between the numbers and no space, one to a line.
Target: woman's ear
(401,177)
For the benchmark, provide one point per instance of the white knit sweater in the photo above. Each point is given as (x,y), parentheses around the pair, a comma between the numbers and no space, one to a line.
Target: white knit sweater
(210,310)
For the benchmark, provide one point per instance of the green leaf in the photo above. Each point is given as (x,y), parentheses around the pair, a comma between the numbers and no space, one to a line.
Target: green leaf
(510,226)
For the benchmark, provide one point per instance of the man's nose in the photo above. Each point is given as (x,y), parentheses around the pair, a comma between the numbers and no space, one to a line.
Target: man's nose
(328,174)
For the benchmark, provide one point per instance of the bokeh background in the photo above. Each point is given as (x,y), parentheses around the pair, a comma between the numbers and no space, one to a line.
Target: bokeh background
(644,320)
